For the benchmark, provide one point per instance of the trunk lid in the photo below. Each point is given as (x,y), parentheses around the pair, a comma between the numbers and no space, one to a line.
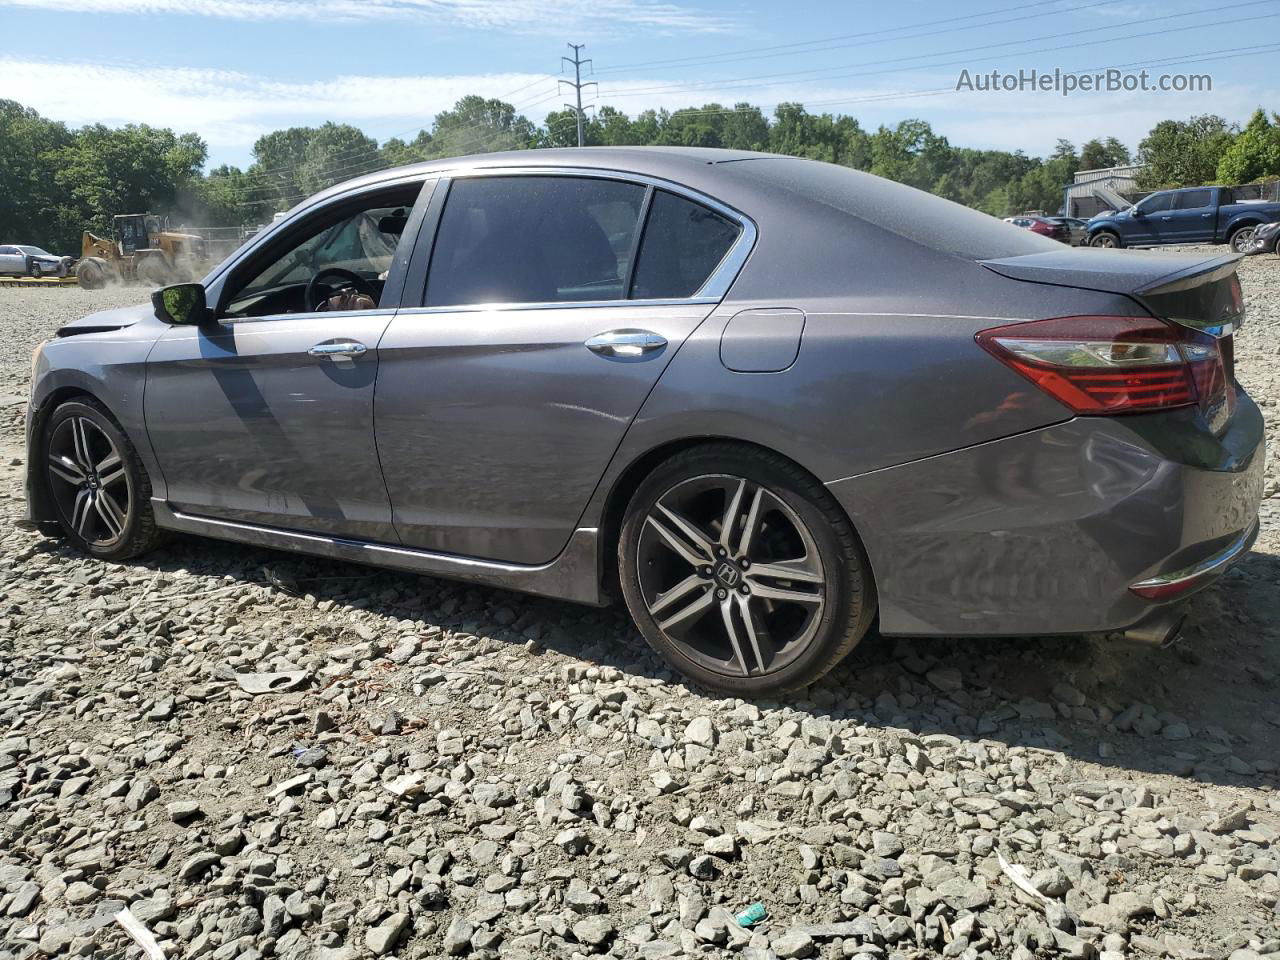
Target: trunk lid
(1200,294)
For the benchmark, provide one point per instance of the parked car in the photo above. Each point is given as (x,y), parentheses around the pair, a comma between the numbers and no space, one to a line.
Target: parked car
(24,260)
(767,399)
(1264,239)
(1041,225)
(1190,215)
(1077,229)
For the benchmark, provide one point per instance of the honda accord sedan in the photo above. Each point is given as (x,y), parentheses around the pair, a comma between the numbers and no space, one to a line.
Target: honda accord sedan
(768,401)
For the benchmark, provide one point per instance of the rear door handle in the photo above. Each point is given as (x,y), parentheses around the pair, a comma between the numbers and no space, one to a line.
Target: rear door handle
(336,349)
(626,344)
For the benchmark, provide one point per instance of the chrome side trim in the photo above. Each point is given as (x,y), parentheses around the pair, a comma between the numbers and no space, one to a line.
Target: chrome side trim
(573,575)
(1220,560)
(568,305)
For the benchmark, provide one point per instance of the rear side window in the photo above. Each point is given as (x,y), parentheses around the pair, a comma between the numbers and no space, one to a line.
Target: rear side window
(534,240)
(1194,199)
(683,244)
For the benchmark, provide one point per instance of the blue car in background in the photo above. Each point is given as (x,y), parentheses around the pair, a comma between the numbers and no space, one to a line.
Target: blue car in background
(1189,215)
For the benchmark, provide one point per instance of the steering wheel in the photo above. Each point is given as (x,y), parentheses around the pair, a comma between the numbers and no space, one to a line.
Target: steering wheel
(354,280)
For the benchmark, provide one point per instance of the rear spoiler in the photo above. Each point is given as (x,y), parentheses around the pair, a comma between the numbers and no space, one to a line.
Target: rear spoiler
(1206,271)
(1199,297)
(1198,292)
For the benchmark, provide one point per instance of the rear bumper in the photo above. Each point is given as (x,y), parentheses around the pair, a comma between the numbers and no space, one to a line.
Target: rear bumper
(1047,532)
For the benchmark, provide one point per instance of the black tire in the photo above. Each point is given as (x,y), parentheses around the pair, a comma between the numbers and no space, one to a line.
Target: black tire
(137,532)
(1239,237)
(848,602)
(36,270)
(1107,239)
(90,275)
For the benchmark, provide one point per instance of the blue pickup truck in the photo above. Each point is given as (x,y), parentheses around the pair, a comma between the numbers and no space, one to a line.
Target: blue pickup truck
(1189,215)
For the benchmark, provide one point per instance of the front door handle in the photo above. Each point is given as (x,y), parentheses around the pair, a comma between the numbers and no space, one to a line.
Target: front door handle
(1166,218)
(336,349)
(626,344)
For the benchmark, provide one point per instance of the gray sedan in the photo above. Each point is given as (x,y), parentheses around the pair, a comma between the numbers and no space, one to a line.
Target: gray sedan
(25,260)
(769,401)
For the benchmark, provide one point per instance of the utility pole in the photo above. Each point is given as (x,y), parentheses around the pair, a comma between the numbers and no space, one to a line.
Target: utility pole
(576,82)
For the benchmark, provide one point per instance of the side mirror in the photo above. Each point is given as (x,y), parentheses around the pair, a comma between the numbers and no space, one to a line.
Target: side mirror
(1135,212)
(181,304)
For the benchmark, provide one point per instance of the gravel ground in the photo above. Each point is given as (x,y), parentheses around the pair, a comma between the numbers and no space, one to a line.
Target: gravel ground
(446,770)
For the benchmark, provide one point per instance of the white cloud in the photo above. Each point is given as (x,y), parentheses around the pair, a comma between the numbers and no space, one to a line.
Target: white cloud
(530,16)
(231,109)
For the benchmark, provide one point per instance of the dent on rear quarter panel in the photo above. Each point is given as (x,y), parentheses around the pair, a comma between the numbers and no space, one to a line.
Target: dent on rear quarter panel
(1042,533)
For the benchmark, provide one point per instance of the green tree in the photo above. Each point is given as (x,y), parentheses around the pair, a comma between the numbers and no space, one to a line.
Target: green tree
(745,128)
(615,127)
(1178,153)
(477,125)
(335,152)
(1255,153)
(133,169)
(30,202)
(1098,154)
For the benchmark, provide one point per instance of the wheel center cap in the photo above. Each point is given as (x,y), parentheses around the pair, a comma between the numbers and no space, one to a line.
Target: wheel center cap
(727,575)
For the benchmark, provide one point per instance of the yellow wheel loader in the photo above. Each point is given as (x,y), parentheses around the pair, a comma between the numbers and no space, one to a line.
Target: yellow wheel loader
(141,248)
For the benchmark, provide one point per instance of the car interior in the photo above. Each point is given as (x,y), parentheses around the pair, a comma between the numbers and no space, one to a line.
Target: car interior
(336,262)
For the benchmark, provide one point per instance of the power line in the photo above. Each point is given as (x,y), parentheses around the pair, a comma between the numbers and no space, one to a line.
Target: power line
(1206,56)
(775,79)
(576,82)
(823,44)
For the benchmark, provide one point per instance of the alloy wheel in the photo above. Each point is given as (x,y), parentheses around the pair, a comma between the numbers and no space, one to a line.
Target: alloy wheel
(89,482)
(731,575)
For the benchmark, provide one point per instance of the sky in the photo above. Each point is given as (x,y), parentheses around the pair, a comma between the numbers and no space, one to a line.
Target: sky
(232,70)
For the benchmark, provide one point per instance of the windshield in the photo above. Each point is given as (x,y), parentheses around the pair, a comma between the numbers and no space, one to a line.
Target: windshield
(34,251)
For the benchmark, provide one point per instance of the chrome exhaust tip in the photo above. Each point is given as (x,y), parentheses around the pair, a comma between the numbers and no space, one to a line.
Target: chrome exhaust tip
(1162,630)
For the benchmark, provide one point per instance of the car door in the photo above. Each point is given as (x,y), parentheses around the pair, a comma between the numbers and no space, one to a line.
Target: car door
(1192,218)
(12,260)
(545,323)
(265,415)
(1145,226)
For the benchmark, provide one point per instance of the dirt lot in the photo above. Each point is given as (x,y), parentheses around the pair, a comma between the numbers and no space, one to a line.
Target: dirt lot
(469,772)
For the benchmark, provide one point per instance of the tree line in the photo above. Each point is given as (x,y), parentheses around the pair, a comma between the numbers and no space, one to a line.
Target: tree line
(56,181)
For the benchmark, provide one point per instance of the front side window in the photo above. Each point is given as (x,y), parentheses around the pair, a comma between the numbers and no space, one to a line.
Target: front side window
(1157,204)
(339,262)
(683,244)
(533,239)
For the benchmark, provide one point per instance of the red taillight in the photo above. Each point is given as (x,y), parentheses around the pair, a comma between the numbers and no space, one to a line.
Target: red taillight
(1108,365)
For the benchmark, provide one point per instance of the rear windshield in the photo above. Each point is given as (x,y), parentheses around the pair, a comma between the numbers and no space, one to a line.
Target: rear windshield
(920,217)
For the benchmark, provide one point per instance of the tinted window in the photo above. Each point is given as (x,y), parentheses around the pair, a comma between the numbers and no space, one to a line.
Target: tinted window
(534,240)
(1157,204)
(1194,199)
(683,243)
